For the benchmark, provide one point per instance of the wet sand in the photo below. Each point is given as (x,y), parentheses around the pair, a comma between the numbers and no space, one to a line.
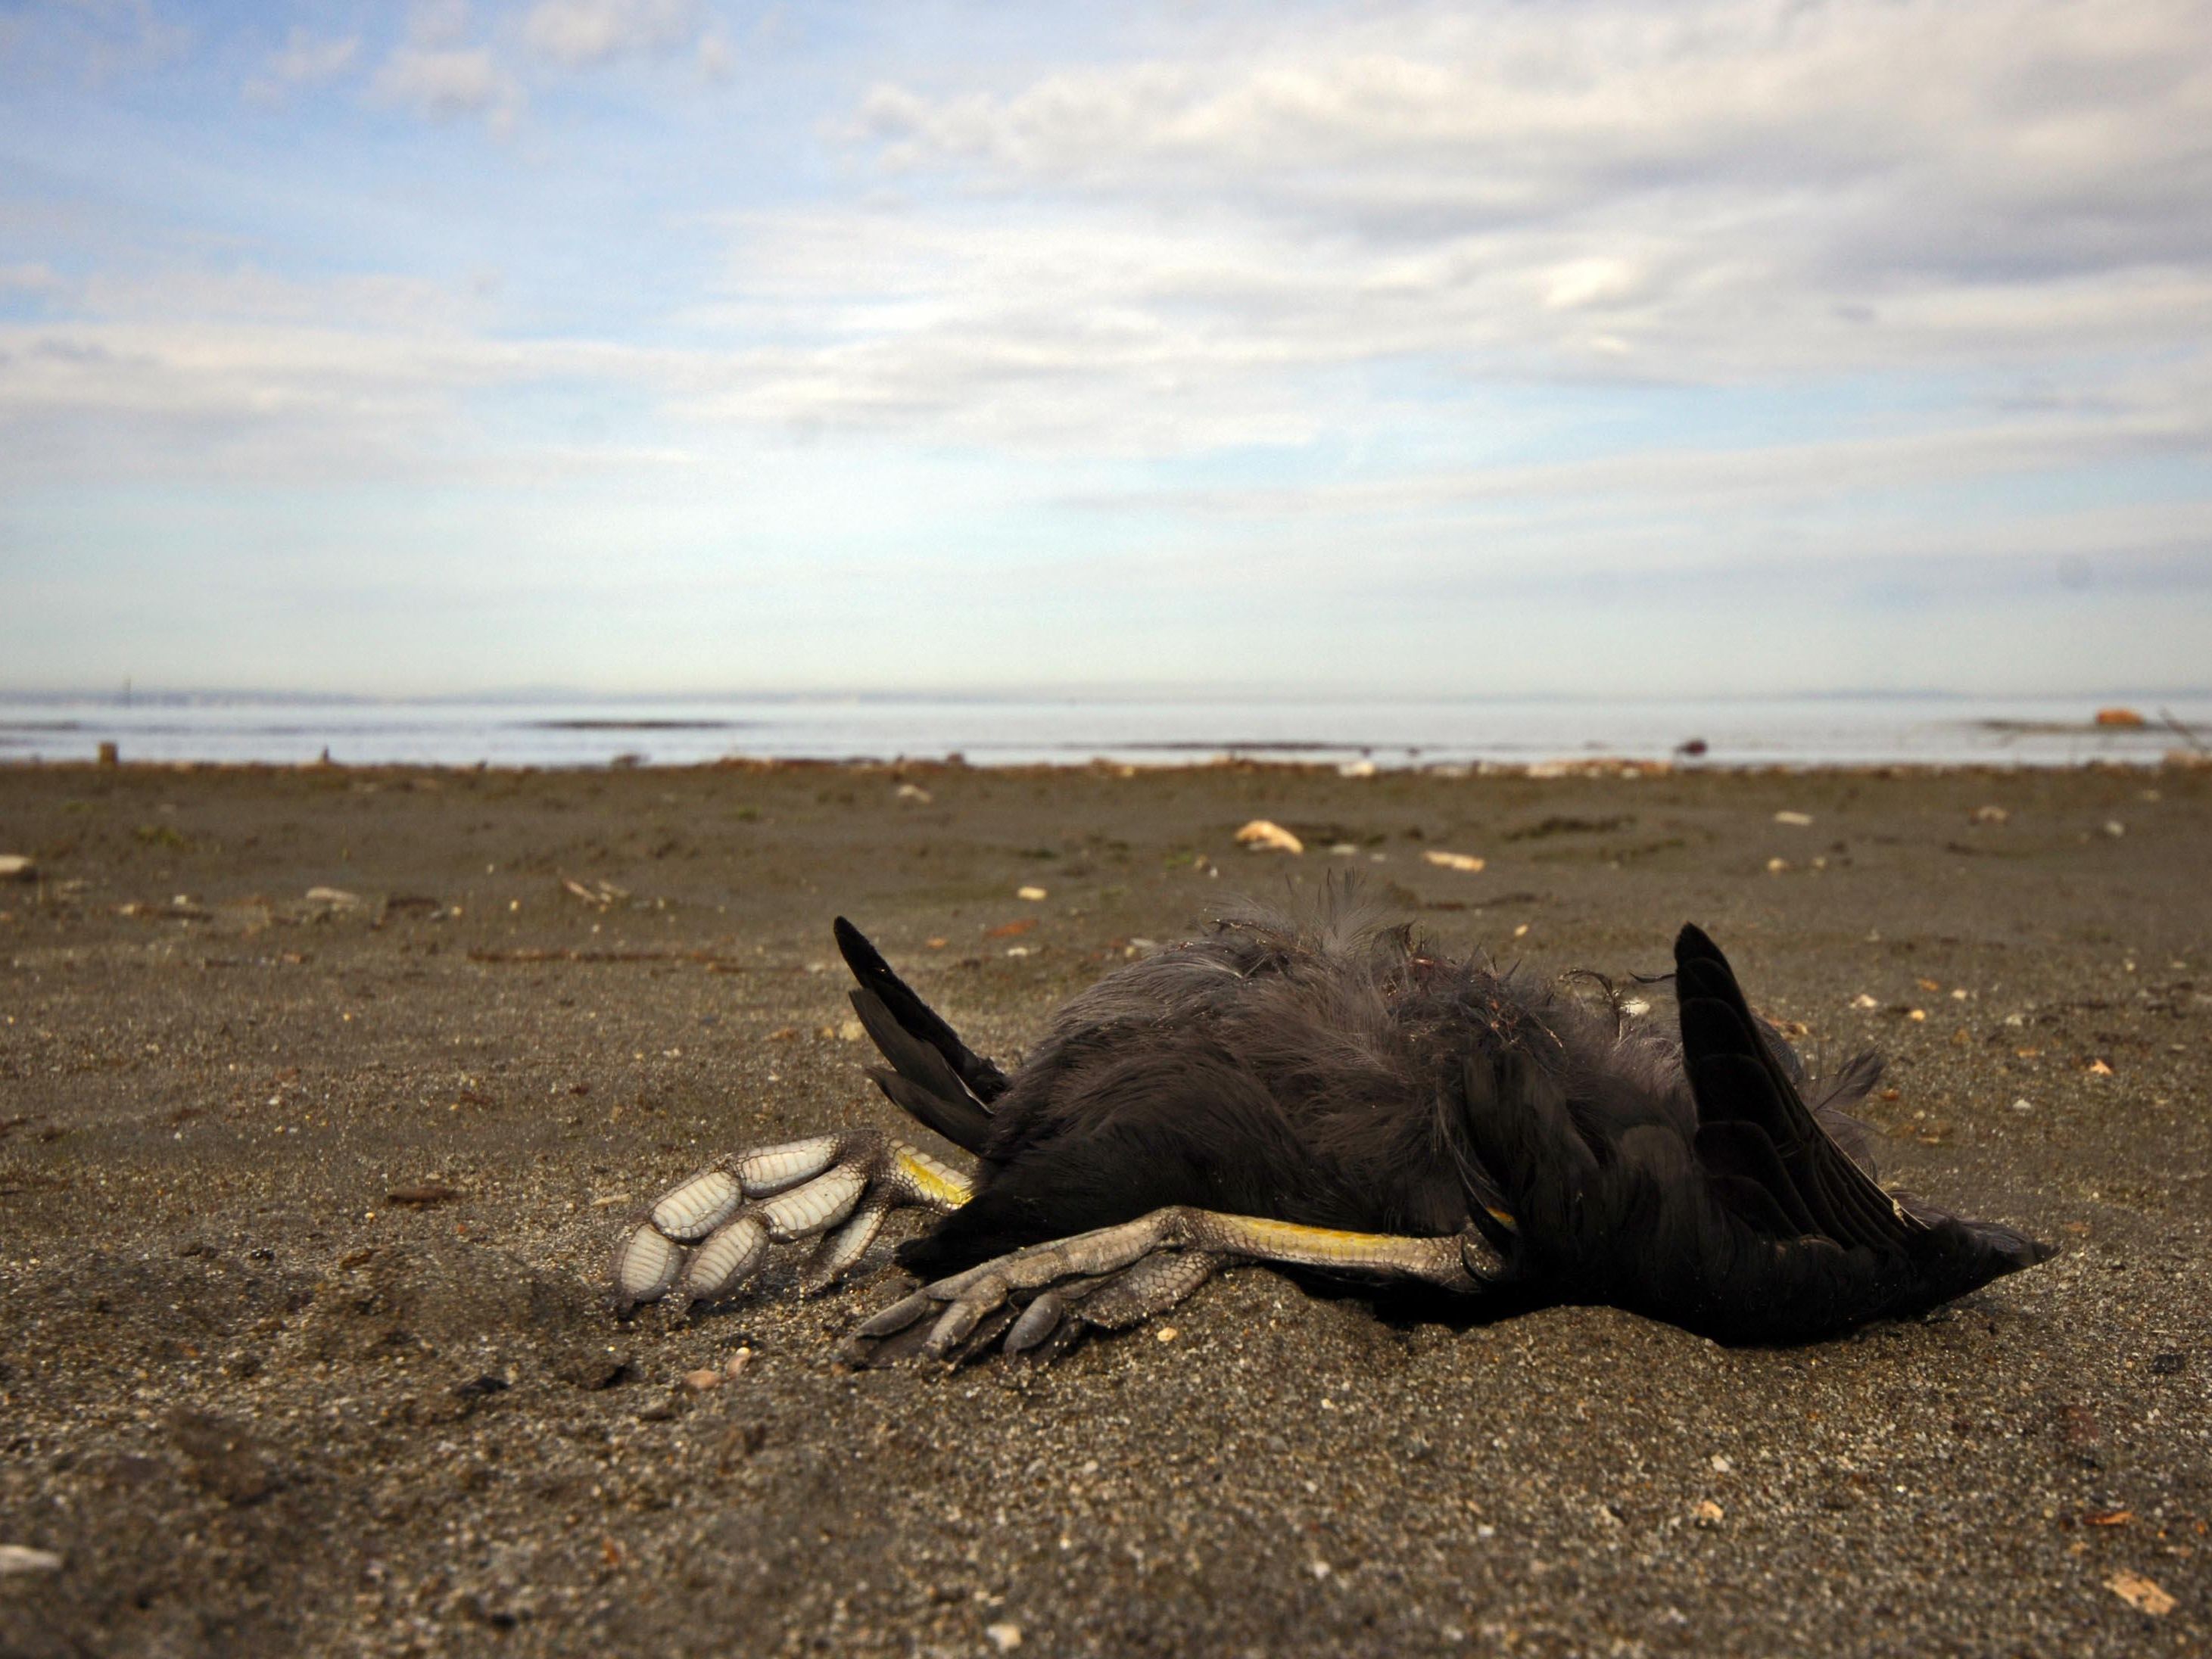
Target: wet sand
(304,1204)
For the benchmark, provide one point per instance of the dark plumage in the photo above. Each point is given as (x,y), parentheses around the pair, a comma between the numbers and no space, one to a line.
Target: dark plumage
(1341,1075)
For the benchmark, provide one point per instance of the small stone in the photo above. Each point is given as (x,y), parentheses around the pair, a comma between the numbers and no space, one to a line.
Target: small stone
(1795,820)
(1266,836)
(1709,1513)
(16,866)
(1863,1000)
(2115,829)
(1003,1636)
(1776,866)
(2141,1593)
(738,1362)
(16,1559)
(1032,894)
(914,793)
(336,897)
(1166,1333)
(1991,815)
(702,1379)
(2023,1105)
(1462,861)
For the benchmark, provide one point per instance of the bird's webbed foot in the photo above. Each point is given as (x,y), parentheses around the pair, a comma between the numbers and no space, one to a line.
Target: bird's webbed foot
(705,1237)
(1044,1299)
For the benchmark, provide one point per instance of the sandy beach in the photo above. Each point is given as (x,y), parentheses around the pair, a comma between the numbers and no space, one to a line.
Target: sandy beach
(323,1092)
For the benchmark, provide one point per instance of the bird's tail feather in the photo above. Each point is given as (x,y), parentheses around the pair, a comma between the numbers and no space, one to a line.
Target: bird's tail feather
(933,1076)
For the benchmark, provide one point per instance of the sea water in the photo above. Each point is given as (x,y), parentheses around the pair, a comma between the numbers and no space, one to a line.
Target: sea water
(555,731)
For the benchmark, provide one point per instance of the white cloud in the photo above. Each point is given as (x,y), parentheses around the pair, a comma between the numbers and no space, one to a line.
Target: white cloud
(31,278)
(447,83)
(1198,249)
(581,32)
(307,59)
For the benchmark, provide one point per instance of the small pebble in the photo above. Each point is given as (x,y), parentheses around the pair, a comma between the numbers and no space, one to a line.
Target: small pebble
(1005,1636)
(703,1379)
(15,866)
(738,1362)
(22,1558)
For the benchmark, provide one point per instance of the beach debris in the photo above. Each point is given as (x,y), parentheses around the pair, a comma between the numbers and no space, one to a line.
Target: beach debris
(1017,949)
(1005,1636)
(2125,720)
(1795,820)
(2097,1068)
(336,898)
(17,866)
(422,1194)
(1032,894)
(601,895)
(1992,815)
(1010,929)
(1266,836)
(2140,1593)
(936,942)
(1358,768)
(2107,1517)
(1343,849)
(1466,861)
(913,792)
(16,1559)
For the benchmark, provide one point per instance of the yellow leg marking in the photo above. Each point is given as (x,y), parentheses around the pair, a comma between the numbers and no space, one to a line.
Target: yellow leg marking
(1324,1246)
(936,1184)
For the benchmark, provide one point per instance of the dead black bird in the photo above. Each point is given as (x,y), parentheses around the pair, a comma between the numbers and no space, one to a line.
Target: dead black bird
(1333,1096)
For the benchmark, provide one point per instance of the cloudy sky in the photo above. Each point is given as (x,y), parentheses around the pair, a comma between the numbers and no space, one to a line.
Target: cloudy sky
(693,345)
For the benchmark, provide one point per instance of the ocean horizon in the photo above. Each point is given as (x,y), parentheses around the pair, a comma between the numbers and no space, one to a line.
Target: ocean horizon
(550,729)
